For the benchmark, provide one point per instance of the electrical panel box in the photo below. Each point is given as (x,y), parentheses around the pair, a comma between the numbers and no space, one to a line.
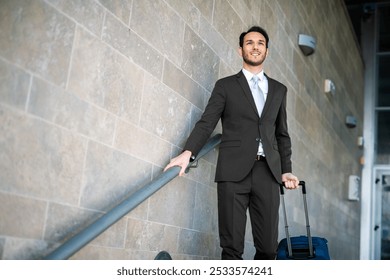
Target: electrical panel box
(354,187)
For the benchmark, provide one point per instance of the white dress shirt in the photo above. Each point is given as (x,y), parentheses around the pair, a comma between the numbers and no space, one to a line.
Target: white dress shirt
(263,84)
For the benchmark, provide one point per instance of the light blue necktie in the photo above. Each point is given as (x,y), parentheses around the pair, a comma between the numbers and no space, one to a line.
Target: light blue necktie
(259,100)
(257,94)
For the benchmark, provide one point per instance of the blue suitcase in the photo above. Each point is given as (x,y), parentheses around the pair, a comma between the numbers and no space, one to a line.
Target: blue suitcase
(301,247)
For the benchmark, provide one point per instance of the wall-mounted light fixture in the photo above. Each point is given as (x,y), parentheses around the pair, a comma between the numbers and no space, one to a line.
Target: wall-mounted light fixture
(307,44)
(329,87)
(350,121)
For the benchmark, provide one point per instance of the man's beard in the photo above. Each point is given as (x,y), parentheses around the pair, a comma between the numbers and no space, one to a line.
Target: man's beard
(253,63)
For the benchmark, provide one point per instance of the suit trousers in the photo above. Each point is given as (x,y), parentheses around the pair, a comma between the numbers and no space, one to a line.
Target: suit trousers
(258,192)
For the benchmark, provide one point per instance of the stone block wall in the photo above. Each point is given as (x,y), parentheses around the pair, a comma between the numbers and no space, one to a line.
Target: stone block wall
(96,96)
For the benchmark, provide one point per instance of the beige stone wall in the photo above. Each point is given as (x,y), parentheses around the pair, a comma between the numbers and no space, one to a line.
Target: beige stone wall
(96,96)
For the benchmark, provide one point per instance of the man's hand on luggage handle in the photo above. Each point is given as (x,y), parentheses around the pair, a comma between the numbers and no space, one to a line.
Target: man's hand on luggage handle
(290,181)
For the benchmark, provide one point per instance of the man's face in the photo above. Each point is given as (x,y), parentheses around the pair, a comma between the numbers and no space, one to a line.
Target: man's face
(254,50)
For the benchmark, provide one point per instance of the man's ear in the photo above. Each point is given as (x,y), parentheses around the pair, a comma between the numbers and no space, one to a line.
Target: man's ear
(240,51)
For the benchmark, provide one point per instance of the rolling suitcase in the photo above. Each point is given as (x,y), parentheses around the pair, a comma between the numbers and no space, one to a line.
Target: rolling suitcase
(301,247)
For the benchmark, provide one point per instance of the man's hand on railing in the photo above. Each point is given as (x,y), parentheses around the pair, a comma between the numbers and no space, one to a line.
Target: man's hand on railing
(181,160)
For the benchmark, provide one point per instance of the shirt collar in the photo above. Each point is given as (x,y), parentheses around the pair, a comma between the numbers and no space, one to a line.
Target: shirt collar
(249,75)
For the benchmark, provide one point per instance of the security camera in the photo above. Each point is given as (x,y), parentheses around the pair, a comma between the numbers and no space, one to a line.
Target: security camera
(307,44)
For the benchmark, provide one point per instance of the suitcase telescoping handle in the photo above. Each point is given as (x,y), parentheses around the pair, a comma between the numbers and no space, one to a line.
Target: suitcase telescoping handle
(289,248)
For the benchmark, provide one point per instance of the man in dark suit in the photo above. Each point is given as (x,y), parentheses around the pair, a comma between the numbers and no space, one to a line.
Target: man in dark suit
(255,150)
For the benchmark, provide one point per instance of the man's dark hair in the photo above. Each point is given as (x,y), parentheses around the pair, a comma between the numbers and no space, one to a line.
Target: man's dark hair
(255,29)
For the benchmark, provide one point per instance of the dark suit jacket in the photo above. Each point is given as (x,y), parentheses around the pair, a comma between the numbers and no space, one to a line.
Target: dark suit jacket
(232,102)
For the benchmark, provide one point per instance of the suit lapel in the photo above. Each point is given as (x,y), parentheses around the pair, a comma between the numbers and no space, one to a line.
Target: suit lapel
(247,91)
(270,96)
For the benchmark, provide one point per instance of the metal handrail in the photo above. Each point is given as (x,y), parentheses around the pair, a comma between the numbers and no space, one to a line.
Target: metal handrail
(77,242)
